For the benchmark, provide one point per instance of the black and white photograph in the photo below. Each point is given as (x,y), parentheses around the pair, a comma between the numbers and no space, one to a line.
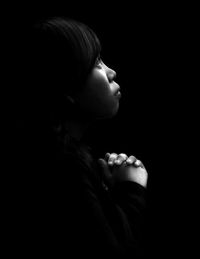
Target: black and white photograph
(101,161)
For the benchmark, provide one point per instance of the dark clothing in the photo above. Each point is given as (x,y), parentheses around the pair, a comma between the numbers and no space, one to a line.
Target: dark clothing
(61,209)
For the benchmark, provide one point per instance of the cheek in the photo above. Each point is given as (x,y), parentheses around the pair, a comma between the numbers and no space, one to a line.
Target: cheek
(100,95)
(98,100)
(98,89)
(103,105)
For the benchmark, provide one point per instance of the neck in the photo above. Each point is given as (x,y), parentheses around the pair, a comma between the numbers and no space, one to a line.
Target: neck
(77,128)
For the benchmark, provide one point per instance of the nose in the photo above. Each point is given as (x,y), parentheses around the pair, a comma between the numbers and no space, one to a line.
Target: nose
(111,74)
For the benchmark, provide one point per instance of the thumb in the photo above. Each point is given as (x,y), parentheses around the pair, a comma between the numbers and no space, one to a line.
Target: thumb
(103,164)
(105,169)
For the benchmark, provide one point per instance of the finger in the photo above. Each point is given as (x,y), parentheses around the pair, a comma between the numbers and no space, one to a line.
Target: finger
(120,159)
(138,163)
(107,155)
(131,160)
(112,158)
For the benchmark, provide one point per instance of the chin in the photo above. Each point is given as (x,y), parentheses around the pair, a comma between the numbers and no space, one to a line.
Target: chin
(115,111)
(109,115)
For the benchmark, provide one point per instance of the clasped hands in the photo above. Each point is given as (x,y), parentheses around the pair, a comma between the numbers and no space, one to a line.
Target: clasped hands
(119,167)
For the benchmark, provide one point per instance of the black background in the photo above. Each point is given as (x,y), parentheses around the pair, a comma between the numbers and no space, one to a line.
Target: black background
(150,47)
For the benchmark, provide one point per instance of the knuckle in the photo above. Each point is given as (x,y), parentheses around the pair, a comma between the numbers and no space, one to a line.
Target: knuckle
(131,159)
(113,156)
(107,155)
(122,156)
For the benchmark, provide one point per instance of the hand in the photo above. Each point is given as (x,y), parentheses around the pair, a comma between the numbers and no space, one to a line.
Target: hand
(117,168)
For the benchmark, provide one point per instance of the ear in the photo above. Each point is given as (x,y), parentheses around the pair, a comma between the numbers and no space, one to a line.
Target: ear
(70,99)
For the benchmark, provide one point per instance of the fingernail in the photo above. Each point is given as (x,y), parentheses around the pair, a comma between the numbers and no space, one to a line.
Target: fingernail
(137,162)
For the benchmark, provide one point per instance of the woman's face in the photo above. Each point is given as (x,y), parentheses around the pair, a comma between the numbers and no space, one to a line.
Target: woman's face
(100,98)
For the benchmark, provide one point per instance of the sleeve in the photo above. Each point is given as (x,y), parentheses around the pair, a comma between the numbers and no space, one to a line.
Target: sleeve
(131,199)
(116,220)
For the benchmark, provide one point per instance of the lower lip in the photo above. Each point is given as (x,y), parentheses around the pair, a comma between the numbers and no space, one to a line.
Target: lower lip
(118,94)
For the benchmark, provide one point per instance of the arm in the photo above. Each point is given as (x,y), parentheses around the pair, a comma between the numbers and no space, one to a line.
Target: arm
(116,217)
(127,181)
(131,198)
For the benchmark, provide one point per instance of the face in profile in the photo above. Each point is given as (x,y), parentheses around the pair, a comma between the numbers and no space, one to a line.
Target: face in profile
(100,98)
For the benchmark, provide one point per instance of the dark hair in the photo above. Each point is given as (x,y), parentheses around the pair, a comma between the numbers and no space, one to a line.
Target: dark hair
(63,52)
(67,48)
(60,53)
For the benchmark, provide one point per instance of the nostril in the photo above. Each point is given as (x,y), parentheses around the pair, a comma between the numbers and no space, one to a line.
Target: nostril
(114,74)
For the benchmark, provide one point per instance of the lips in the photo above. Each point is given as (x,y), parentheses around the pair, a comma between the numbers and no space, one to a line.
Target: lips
(117,92)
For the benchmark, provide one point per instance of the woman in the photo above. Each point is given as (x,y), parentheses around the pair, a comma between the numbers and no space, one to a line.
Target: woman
(74,202)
